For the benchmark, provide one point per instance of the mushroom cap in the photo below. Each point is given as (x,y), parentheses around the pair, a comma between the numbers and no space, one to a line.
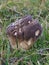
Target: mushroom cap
(25,28)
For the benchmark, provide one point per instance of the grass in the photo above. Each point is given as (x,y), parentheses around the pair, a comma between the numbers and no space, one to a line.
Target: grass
(10,10)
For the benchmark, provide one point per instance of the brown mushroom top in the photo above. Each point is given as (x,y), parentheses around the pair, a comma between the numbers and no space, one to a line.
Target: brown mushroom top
(25,28)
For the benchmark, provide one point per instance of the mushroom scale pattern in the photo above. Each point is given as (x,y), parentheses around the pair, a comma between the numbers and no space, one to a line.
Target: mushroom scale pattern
(26,30)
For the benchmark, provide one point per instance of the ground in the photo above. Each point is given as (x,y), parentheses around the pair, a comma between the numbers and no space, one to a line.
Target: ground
(10,10)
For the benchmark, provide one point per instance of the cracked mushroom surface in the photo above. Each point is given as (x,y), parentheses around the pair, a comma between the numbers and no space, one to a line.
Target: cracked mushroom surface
(26,30)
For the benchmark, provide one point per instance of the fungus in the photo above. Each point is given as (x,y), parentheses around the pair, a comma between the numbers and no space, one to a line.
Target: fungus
(26,30)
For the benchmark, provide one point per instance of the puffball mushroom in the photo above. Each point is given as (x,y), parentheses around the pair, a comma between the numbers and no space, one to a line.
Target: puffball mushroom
(26,30)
